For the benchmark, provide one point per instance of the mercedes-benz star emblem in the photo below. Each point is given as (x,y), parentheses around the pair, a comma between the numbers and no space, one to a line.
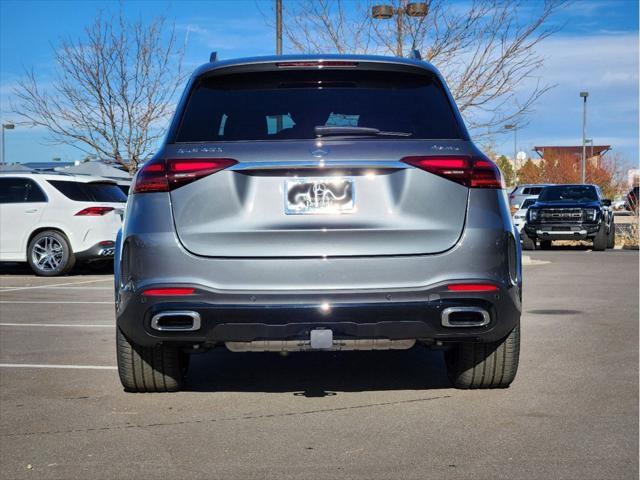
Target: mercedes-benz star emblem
(319,153)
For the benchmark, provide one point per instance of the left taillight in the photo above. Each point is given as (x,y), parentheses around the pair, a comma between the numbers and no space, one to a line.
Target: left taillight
(164,175)
(472,172)
(94,211)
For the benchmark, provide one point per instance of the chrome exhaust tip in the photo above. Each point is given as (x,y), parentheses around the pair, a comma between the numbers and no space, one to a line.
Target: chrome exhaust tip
(176,321)
(465,317)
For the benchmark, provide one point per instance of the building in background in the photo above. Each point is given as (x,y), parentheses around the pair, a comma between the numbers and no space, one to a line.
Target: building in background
(572,153)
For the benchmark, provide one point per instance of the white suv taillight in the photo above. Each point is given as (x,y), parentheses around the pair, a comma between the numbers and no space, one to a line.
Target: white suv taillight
(94,211)
(164,175)
(472,172)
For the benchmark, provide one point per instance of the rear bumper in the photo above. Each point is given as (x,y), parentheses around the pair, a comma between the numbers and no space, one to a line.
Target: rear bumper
(357,315)
(101,251)
(559,231)
(244,299)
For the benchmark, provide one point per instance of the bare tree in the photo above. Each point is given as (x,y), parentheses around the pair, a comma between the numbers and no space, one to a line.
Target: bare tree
(484,49)
(112,89)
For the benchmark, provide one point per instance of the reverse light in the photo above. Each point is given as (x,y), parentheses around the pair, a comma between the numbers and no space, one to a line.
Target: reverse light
(164,175)
(94,211)
(168,292)
(472,287)
(472,172)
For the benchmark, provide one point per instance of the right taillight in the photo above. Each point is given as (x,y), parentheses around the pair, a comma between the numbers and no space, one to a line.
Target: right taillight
(94,211)
(164,175)
(472,172)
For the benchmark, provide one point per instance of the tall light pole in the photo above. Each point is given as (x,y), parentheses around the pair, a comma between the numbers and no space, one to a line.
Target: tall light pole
(279,49)
(5,126)
(385,12)
(514,127)
(278,27)
(584,96)
(589,141)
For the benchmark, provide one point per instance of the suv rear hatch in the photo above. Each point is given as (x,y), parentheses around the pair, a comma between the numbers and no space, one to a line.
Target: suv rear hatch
(299,191)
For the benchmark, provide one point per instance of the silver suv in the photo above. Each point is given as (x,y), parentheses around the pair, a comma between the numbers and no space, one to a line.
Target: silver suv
(317,203)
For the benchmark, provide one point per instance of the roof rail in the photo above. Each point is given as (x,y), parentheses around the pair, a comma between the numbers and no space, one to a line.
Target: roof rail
(415,54)
(213,57)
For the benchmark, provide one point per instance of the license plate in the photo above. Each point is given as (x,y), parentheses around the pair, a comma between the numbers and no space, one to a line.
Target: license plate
(308,196)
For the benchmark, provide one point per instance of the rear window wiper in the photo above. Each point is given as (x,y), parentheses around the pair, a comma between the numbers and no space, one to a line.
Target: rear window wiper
(324,131)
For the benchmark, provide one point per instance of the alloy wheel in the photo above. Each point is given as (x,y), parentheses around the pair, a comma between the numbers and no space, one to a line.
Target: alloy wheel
(48,254)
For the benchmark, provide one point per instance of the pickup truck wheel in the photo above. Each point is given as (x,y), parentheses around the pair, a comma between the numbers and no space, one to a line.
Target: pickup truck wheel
(149,369)
(611,238)
(528,243)
(49,254)
(484,365)
(600,240)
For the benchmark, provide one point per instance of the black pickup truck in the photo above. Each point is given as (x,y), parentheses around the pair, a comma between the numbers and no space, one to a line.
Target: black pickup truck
(569,212)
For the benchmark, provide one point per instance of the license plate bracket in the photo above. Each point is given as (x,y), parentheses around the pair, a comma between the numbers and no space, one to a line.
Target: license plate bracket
(322,195)
(321,338)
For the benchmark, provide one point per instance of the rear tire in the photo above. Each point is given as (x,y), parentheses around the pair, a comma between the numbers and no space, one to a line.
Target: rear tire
(600,240)
(49,254)
(484,365)
(528,243)
(149,369)
(611,238)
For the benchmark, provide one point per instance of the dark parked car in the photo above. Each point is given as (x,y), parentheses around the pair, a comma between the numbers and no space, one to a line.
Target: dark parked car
(632,200)
(570,212)
(317,203)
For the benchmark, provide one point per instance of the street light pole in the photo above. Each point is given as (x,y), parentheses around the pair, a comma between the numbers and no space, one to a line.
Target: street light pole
(584,96)
(399,32)
(514,127)
(279,49)
(5,126)
(278,27)
(385,12)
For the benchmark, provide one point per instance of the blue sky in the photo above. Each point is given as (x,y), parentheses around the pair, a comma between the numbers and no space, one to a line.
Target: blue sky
(597,50)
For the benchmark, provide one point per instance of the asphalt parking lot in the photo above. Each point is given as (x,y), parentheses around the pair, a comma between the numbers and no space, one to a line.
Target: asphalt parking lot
(571,413)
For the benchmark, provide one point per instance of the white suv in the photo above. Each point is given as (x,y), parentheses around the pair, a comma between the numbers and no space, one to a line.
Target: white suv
(53,220)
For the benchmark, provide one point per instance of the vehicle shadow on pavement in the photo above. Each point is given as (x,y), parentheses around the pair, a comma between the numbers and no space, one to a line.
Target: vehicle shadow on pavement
(22,268)
(317,374)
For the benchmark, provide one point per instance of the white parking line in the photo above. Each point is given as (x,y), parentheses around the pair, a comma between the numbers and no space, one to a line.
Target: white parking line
(15,289)
(54,325)
(60,302)
(74,367)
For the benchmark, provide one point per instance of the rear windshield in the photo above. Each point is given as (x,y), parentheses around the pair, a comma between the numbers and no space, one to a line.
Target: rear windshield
(90,192)
(289,104)
(571,193)
(532,190)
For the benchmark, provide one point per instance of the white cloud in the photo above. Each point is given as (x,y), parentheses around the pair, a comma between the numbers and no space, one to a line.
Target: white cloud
(604,65)
(599,60)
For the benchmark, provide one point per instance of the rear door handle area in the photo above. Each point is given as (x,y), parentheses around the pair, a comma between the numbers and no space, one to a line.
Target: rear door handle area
(31,210)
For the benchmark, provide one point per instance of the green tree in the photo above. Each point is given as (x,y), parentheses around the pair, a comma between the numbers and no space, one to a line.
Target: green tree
(507,170)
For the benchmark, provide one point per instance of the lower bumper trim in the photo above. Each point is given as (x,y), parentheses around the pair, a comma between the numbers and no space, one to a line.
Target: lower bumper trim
(97,252)
(305,345)
(562,232)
